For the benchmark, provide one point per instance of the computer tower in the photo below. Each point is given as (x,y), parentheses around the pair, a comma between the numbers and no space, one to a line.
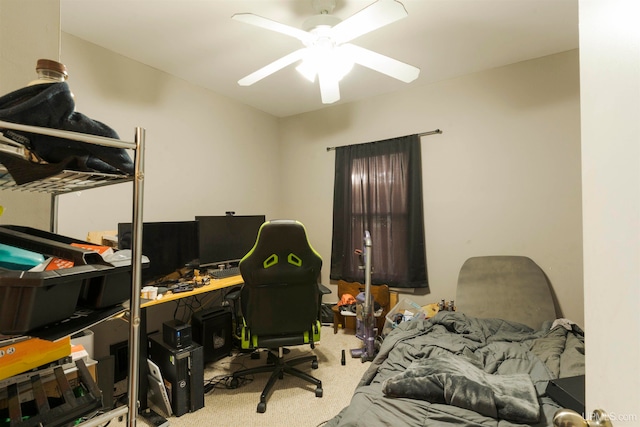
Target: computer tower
(211,328)
(183,373)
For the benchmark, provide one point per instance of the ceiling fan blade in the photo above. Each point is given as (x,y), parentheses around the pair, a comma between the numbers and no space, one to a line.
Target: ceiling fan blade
(381,63)
(269,24)
(374,16)
(329,88)
(271,68)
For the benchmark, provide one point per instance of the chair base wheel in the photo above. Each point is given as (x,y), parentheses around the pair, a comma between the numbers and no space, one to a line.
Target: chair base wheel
(262,407)
(233,383)
(319,392)
(314,364)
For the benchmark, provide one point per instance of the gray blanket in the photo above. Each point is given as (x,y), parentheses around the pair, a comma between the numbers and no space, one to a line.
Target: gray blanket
(456,381)
(463,368)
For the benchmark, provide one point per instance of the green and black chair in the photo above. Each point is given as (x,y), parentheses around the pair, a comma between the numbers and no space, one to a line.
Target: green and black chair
(280,302)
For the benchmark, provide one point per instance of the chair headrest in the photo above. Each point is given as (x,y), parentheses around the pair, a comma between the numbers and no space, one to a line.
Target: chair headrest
(282,235)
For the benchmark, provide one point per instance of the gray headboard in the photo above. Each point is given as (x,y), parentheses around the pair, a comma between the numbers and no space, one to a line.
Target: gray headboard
(506,287)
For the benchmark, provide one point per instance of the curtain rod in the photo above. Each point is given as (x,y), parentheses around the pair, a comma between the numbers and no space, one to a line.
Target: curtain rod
(431,132)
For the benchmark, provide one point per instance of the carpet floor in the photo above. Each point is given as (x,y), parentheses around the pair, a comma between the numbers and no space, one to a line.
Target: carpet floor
(292,401)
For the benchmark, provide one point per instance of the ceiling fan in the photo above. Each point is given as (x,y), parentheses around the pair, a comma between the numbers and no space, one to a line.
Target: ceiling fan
(327,52)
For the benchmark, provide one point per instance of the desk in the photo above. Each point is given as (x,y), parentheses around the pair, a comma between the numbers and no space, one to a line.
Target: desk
(214,285)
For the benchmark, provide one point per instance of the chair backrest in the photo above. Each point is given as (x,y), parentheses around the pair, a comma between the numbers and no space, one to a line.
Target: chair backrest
(280,295)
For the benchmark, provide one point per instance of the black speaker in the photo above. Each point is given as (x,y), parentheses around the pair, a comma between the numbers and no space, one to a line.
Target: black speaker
(211,328)
(176,333)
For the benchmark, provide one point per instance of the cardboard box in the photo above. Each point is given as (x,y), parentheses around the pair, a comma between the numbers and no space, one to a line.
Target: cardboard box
(104,238)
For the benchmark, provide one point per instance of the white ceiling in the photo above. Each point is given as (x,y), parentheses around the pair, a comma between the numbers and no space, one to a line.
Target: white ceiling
(198,41)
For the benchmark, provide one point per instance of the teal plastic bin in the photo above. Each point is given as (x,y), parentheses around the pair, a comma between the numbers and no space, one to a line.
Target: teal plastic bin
(13,258)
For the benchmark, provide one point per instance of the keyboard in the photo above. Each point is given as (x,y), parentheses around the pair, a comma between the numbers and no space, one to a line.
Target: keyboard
(227,272)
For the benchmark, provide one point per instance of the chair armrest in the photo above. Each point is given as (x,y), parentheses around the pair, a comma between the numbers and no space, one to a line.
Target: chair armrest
(323,289)
(233,295)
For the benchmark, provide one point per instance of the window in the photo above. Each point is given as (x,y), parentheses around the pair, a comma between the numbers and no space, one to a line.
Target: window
(378,187)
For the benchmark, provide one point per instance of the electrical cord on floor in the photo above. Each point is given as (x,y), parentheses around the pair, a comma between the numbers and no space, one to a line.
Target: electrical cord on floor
(224,381)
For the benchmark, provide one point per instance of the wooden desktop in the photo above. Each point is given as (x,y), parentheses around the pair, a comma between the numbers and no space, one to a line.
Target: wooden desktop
(213,285)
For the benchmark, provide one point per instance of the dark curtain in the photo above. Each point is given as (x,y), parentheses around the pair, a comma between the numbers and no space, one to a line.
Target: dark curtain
(378,187)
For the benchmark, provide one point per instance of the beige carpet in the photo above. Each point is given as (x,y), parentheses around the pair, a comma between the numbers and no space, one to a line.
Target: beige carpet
(292,402)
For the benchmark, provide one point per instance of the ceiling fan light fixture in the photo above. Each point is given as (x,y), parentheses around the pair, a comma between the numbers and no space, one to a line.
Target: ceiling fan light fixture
(327,54)
(315,22)
(323,57)
(337,64)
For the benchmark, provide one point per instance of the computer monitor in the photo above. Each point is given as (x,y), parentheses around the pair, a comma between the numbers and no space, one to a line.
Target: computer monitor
(169,246)
(226,239)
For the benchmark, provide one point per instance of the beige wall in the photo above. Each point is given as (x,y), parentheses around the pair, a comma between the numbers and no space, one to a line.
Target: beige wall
(205,154)
(502,179)
(18,57)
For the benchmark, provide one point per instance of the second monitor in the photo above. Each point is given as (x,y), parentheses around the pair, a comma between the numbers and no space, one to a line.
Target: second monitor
(226,239)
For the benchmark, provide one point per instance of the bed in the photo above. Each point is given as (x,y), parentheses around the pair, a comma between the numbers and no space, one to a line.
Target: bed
(462,369)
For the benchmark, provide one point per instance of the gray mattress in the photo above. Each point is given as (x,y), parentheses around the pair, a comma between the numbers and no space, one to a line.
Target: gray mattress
(455,370)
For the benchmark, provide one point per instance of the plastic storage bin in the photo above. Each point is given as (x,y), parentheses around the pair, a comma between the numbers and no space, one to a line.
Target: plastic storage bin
(106,290)
(47,243)
(112,286)
(403,311)
(29,300)
(13,258)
